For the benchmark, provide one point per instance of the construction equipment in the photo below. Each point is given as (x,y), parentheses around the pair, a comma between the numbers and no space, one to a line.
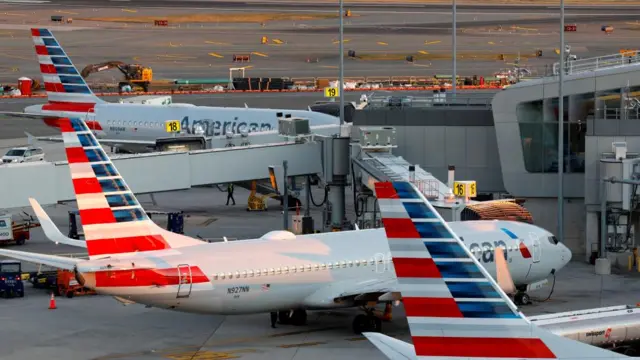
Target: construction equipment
(134,74)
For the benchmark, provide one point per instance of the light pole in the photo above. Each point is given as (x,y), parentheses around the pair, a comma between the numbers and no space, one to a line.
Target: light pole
(341,81)
(454,78)
(561,129)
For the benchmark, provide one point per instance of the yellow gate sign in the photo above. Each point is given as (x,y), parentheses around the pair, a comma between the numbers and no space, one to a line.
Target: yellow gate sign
(465,189)
(172,126)
(331,92)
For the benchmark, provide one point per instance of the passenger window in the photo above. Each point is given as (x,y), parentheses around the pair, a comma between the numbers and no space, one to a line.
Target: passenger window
(230,275)
(357,262)
(337,265)
(329,266)
(350,263)
(316,267)
(278,271)
(324,266)
(250,273)
(285,270)
(272,271)
(244,274)
(344,264)
(222,276)
(308,267)
(301,268)
(215,276)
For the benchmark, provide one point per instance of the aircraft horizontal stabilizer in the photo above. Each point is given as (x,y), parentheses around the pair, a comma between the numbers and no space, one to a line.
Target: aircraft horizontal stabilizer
(60,262)
(50,229)
(394,349)
(21,115)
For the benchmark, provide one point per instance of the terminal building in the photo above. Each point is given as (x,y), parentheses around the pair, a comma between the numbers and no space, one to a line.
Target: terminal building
(508,143)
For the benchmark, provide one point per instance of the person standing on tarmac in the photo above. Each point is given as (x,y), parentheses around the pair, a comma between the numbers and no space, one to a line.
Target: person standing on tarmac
(230,194)
(274,319)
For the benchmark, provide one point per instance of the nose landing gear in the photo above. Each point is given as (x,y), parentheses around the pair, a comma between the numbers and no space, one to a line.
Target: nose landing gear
(522,298)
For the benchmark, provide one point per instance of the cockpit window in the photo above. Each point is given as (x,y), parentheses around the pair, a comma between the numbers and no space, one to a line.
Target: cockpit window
(553,240)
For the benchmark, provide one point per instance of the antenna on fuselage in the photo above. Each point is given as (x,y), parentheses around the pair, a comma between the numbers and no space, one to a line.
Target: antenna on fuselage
(225,239)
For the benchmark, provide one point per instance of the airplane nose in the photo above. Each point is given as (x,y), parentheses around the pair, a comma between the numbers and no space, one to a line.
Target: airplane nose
(566,254)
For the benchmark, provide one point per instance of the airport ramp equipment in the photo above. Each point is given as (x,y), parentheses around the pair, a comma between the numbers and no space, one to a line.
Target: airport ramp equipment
(50,182)
(608,327)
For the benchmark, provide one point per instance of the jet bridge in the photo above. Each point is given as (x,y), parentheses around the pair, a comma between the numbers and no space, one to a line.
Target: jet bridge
(50,182)
(373,157)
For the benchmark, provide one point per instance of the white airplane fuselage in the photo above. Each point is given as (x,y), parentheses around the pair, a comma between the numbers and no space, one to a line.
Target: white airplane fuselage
(307,272)
(146,122)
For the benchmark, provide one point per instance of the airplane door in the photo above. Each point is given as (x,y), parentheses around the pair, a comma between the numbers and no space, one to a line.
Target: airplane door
(184,281)
(537,250)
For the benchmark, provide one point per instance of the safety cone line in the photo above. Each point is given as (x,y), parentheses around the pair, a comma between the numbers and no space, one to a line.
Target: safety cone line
(52,302)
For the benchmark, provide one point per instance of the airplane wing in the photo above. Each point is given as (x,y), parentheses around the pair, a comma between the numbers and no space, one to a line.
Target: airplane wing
(354,293)
(60,262)
(50,229)
(394,349)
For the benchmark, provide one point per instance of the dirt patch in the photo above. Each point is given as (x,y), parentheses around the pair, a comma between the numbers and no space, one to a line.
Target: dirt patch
(212,18)
(439,56)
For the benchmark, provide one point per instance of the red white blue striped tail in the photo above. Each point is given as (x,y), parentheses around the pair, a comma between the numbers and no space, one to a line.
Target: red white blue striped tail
(112,218)
(62,81)
(455,309)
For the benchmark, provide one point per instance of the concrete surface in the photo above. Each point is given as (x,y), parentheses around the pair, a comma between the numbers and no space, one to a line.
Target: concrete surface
(184,51)
(98,327)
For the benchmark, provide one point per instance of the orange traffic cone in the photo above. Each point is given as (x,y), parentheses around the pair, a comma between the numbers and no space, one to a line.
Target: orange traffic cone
(52,302)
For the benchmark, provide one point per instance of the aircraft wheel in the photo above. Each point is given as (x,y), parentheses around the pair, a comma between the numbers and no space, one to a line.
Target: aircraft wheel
(298,318)
(360,324)
(284,318)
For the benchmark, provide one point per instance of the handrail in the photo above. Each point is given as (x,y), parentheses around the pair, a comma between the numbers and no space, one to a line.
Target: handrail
(598,63)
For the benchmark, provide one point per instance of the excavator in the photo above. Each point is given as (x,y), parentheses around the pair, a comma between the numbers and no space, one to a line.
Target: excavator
(134,74)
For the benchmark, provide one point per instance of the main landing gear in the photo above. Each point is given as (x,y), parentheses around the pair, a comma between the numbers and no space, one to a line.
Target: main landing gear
(368,322)
(521,298)
(292,317)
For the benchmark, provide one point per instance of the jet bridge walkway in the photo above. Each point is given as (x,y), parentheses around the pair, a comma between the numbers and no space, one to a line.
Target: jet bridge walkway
(50,182)
(377,163)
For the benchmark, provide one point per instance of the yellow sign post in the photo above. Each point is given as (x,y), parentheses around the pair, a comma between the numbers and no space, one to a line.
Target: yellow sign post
(465,189)
(331,92)
(172,126)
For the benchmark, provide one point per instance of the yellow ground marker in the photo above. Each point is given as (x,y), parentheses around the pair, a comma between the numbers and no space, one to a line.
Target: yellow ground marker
(130,11)
(338,41)
(382,43)
(422,65)
(278,41)
(432,42)
(491,43)
(67,12)
(14,14)
(328,66)
(216,43)
(423,52)
(260,54)
(216,55)
(174,45)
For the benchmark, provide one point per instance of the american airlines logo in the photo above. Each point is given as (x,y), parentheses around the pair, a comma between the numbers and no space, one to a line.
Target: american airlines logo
(219,128)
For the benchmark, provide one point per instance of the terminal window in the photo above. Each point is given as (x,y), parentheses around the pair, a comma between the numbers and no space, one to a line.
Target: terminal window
(538,125)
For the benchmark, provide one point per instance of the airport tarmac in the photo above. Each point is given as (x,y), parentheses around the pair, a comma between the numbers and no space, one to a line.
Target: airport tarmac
(98,327)
(381,38)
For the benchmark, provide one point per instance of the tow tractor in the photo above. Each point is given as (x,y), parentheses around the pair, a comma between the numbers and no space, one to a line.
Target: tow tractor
(11,279)
(16,232)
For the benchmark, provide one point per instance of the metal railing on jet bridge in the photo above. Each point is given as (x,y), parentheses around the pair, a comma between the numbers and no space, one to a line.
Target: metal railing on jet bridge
(597,63)
(480,99)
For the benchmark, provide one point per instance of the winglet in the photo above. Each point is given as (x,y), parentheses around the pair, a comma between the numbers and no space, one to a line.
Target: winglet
(50,229)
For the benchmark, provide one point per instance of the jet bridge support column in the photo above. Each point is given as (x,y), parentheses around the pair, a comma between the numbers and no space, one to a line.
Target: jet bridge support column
(336,172)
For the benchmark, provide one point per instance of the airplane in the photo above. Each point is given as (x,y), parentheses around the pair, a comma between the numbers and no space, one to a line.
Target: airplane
(454,307)
(134,260)
(138,127)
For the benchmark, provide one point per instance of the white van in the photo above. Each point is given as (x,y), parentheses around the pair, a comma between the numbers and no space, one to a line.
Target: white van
(23,154)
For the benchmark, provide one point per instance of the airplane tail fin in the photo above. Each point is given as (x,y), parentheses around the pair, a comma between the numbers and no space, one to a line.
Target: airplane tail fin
(63,83)
(112,218)
(454,307)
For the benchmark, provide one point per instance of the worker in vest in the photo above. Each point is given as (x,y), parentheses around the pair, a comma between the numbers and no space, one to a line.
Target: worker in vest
(230,194)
